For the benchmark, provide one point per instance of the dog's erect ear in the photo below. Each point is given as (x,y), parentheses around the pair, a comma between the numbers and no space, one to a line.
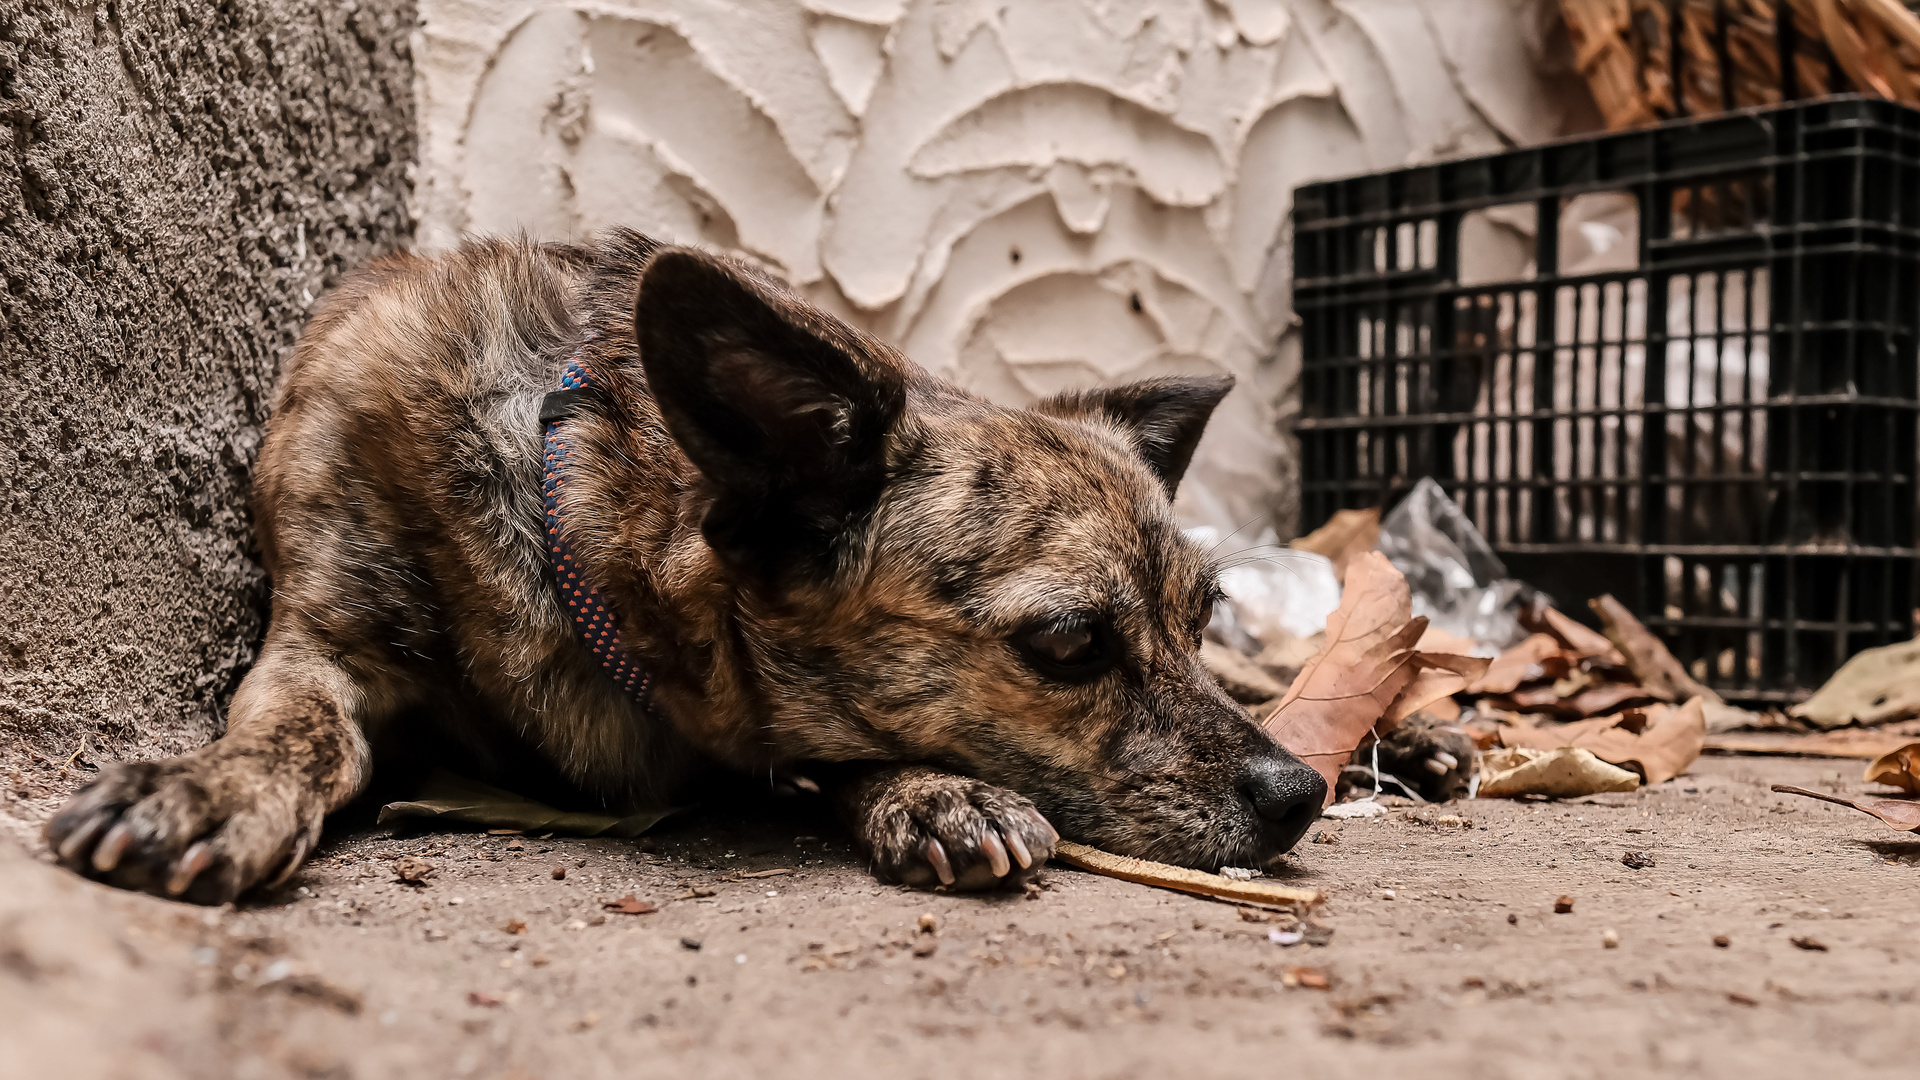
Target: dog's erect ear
(782,407)
(1164,417)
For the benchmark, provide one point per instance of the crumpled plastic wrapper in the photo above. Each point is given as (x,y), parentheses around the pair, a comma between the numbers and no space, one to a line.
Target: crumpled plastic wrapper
(1273,593)
(1458,583)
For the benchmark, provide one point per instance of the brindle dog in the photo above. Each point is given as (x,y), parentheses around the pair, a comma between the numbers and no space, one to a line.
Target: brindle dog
(972,624)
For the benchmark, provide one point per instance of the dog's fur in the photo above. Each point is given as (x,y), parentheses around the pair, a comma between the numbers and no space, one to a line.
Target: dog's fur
(827,560)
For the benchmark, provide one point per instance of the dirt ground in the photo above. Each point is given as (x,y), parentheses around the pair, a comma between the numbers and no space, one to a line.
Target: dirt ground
(773,953)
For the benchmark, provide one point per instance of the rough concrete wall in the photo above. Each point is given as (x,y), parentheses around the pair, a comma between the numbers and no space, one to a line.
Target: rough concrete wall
(178,180)
(1025,196)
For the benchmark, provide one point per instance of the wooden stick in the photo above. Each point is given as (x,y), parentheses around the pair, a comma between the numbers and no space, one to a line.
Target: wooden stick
(1199,882)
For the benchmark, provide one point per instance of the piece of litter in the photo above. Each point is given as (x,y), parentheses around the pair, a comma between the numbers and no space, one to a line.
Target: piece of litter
(1308,978)
(1286,937)
(630,905)
(1362,808)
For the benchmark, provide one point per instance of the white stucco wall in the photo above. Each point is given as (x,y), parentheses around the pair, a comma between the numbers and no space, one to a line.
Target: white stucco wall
(1024,195)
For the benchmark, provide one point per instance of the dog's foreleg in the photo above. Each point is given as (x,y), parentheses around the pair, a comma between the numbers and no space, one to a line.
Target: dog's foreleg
(928,828)
(207,825)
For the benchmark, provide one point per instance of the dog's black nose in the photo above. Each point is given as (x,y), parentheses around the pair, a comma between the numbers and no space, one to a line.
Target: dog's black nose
(1286,797)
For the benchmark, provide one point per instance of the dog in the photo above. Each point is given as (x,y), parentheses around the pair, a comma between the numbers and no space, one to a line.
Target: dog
(797,554)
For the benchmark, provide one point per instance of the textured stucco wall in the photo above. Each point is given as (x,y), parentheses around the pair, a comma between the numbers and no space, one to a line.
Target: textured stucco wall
(1026,196)
(178,180)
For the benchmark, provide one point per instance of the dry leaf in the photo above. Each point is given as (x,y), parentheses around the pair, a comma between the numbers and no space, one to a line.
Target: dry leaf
(1536,658)
(1566,773)
(1583,643)
(630,905)
(1845,743)
(1660,743)
(1144,872)
(455,798)
(1347,535)
(411,871)
(1651,663)
(1898,768)
(1902,814)
(1437,677)
(1875,687)
(1368,660)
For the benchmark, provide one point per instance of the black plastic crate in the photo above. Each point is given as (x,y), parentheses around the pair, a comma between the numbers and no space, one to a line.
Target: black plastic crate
(1713,417)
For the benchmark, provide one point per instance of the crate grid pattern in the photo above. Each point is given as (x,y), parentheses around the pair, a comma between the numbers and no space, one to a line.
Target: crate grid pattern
(1721,433)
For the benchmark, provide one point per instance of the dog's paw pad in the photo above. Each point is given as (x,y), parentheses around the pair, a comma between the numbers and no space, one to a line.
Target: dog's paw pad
(179,828)
(941,831)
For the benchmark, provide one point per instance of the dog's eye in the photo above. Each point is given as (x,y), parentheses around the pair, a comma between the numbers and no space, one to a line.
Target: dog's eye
(1070,651)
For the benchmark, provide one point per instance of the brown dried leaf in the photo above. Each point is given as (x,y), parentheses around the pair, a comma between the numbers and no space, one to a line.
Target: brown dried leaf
(1652,664)
(1876,687)
(411,871)
(450,797)
(1660,743)
(1845,743)
(630,905)
(1437,677)
(1898,768)
(1347,535)
(1902,814)
(1567,772)
(1524,663)
(1368,660)
(1583,643)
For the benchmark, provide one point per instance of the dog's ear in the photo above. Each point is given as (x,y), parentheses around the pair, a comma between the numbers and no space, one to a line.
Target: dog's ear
(782,407)
(1164,417)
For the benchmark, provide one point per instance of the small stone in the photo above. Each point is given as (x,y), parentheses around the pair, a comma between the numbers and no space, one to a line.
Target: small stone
(559,873)
(515,926)
(1563,905)
(1513,919)
(928,923)
(1609,938)
(926,946)
(408,870)
(1809,943)
(1721,941)
(691,944)
(1636,860)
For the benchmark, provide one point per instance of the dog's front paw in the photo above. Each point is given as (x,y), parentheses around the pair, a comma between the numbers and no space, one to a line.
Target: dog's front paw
(925,828)
(204,827)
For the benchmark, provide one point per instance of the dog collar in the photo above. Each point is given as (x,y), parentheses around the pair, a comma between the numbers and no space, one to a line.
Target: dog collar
(593,619)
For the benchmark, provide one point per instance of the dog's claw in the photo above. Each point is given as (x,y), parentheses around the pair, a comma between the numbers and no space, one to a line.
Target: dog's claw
(1019,848)
(936,854)
(1438,767)
(996,854)
(112,846)
(81,839)
(294,859)
(197,858)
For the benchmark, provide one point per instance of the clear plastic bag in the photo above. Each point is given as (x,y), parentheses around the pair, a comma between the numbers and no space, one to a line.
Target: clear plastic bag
(1273,593)
(1457,581)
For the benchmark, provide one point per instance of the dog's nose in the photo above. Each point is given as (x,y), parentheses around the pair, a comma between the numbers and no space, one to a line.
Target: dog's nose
(1286,797)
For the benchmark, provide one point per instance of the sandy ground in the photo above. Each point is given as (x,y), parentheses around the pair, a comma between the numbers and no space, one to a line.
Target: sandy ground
(1447,958)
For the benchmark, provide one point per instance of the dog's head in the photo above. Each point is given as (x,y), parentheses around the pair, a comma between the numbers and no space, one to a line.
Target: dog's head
(928,577)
